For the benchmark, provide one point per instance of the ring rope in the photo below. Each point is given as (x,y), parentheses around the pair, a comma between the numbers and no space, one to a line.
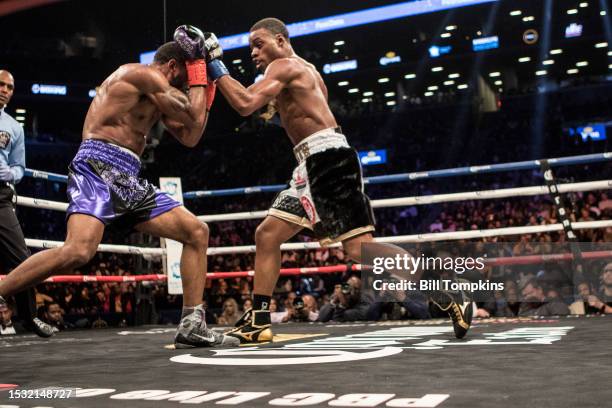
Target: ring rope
(391,178)
(518,260)
(297,246)
(382,203)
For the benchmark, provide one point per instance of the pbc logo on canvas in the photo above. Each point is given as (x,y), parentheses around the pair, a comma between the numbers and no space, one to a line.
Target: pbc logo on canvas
(5,139)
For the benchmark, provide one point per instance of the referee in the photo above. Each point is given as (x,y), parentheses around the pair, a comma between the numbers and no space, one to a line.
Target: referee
(13,249)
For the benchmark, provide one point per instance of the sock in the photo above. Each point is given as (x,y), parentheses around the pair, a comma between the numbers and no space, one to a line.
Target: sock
(187,310)
(261,302)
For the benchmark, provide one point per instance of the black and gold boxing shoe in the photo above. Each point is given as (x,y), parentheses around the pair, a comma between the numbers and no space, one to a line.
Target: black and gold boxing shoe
(459,307)
(253,327)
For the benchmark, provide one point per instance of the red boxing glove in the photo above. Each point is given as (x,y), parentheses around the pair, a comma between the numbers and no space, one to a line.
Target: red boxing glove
(210,95)
(196,73)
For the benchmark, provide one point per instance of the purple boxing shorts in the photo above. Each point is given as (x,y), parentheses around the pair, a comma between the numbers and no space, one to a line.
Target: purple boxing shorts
(103,182)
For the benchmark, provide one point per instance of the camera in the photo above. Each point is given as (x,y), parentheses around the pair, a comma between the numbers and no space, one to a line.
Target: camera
(298,303)
(300,314)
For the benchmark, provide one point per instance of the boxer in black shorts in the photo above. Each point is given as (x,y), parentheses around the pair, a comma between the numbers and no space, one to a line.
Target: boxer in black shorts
(325,193)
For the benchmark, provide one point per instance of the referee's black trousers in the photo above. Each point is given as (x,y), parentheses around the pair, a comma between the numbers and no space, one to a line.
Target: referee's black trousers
(13,250)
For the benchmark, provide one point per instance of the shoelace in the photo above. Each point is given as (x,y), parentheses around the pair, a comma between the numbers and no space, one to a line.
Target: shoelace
(457,312)
(41,323)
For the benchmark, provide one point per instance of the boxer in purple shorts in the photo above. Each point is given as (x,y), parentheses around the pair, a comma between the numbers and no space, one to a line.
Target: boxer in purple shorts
(104,186)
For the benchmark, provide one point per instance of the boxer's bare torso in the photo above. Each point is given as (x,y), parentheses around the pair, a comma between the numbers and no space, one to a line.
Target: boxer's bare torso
(127,105)
(302,104)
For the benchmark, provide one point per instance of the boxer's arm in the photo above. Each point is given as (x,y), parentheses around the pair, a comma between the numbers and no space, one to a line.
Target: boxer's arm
(184,116)
(247,100)
(186,132)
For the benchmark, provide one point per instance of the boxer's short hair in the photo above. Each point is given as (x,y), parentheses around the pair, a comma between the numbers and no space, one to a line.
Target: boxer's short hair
(273,25)
(168,51)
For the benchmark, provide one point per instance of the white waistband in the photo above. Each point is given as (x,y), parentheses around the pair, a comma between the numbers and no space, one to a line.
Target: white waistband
(318,142)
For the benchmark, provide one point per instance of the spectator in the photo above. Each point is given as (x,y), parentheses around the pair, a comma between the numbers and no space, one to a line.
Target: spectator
(230,314)
(536,304)
(303,309)
(587,302)
(54,315)
(346,303)
(7,327)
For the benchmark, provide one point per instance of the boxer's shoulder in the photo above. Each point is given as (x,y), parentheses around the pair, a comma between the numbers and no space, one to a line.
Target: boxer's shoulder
(143,77)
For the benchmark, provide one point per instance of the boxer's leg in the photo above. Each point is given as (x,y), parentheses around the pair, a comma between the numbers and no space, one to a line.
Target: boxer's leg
(269,236)
(84,235)
(181,225)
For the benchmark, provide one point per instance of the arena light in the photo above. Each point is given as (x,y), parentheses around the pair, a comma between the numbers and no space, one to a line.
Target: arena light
(445,35)
(20,110)
(541,72)
(556,51)
(451,27)
(237,61)
(485,43)
(548,62)
(582,64)
(435,50)
(462,86)
(449,83)
(573,30)
(410,76)
(524,59)
(372,157)
(383,80)
(572,11)
(516,12)
(437,69)
(494,74)
(339,43)
(499,83)
(528,19)
(572,71)
(368,93)
(335,51)
(43,89)
(343,83)
(20,118)
(366,100)
(601,45)
(428,93)
(353,90)
(390,58)
(583,5)
(91,93)
(340,66)
(453,76)
(389,94)
(390,103)
(609,53)
(602,13)
(432,88)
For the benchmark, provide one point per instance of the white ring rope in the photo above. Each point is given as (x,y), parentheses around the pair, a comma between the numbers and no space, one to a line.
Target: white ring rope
(437,236)
(384,203)
(441,198)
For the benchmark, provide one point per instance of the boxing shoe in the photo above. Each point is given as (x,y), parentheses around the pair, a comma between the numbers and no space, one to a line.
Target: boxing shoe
(192,332)
(40,328)
(253,327)
(459,307)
